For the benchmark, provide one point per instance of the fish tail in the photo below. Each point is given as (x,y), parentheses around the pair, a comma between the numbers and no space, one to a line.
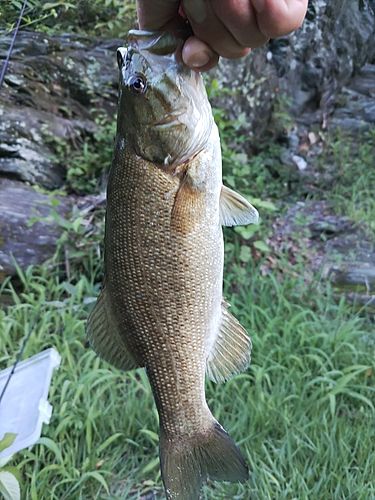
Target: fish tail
(186,463)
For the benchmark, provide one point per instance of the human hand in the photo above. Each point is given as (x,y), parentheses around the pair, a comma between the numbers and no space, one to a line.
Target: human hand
(227,28)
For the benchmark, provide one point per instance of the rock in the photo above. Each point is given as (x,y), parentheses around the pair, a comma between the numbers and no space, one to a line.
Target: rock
(355,107)
(353,114)
(308,68)
(57,85)
(362,301)
(330,245)
(300,162)
(31,222)
(363,82)
(352,276)
(22,241)
(54,88)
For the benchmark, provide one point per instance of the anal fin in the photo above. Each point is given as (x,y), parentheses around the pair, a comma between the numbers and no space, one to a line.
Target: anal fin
(235,210)
(231,352)
(105,337)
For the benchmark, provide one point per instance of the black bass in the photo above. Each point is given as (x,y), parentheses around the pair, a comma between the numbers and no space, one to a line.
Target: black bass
(161,306)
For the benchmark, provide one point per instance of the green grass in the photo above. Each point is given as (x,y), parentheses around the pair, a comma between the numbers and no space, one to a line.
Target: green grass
(303,413)
(354,176)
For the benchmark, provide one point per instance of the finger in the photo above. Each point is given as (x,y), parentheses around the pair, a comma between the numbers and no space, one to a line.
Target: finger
(156,14)
(239,17)
(198,55)
(279,17)
(209,28)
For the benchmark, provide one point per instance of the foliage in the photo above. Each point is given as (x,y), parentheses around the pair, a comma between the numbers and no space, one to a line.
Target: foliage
(259,173)
(87,162)
(96,17)
(351,168)
(260,177)
(9,476)
(91,161)
(300,413)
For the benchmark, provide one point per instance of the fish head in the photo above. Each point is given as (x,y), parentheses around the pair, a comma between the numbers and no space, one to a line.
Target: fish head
(164,114)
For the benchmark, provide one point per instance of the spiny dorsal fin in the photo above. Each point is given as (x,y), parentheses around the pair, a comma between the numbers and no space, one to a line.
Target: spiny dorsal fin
(231,352)
(235,210)
(105,338)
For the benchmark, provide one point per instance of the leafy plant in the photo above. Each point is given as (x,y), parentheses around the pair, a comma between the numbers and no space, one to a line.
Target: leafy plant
(87,163)
(256,176)
(349,162)
(91,162)
(97,17)
(9,476)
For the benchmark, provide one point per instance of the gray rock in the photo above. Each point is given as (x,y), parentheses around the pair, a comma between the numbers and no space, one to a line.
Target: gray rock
(355,108)
(332,246)
(309,67)
(54,88)
(26,237)
(31,222)
(56,85)
(352,276)
(300,162)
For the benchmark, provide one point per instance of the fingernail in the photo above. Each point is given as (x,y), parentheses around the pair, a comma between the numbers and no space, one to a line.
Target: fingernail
(198,60)
(258,5)
(195,10)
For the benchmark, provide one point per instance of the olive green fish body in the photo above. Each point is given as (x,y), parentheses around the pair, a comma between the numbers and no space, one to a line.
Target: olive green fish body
(161,305)
(164,281)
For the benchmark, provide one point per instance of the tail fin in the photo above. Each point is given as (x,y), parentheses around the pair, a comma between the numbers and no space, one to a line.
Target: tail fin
(185,464)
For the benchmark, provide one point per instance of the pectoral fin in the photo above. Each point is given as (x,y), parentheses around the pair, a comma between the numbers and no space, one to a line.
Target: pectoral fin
(105,337)
(188,208)
(235,210)
(231,352)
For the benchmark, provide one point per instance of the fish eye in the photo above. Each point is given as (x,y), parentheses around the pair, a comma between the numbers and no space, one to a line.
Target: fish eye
(137,84)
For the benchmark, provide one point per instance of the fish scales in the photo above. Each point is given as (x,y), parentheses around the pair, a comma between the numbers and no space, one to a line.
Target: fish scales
(163,283)
(161,305)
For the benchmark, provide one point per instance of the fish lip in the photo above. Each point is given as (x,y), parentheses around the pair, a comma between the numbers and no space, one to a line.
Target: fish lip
(170,119)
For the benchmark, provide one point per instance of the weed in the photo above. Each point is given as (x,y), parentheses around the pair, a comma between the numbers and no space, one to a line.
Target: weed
(86,164)
(9,476)
(96,17)
(302,410)
(353,188)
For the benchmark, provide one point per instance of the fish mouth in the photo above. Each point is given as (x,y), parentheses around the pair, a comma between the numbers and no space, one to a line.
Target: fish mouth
(170,119)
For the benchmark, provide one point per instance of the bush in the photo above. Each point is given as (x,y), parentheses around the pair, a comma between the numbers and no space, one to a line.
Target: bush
(95,17)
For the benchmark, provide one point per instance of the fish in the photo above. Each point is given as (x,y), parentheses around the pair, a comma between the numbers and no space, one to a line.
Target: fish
(161,306)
